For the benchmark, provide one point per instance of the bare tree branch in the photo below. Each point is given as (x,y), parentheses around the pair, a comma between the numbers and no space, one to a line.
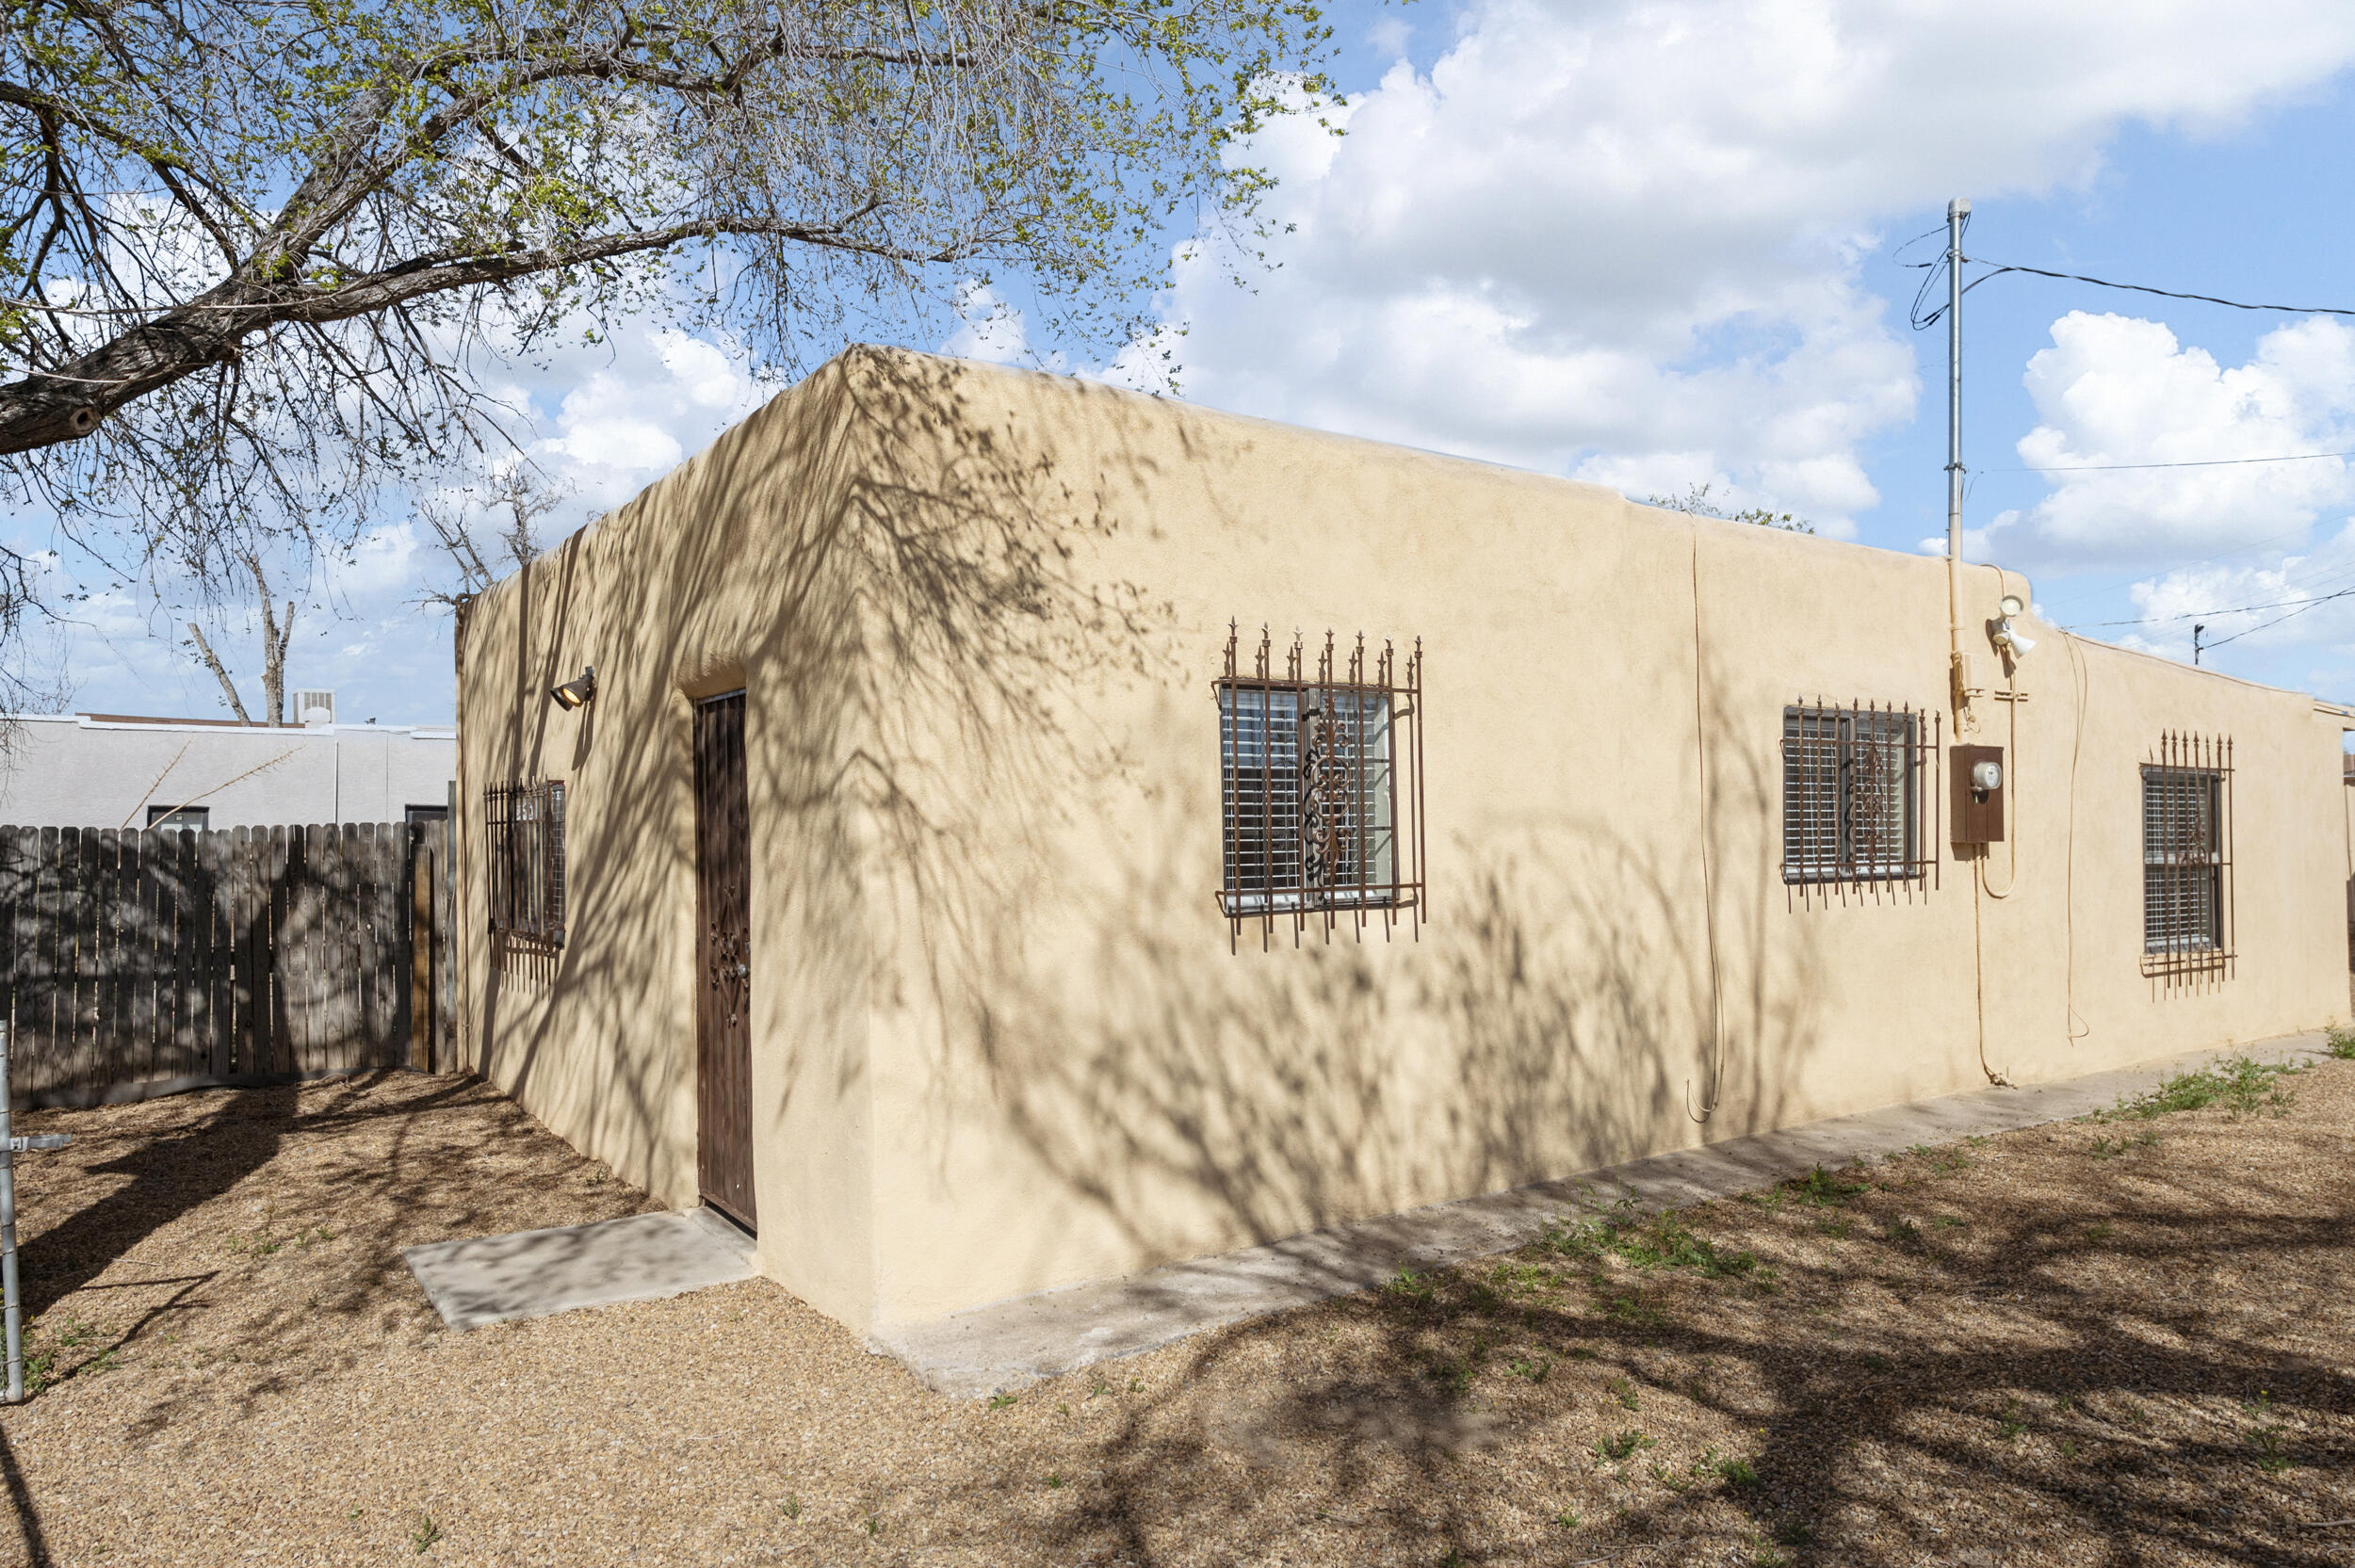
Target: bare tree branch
(212,662)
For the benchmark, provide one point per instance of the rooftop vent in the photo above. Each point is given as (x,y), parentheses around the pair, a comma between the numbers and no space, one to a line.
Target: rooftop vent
(315,707)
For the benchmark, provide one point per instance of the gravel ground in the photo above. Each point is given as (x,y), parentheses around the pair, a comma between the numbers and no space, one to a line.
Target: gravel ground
(2103,1342)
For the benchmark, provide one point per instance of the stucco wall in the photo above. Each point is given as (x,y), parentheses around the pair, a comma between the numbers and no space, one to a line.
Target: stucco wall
(1000,1042)
(75,771)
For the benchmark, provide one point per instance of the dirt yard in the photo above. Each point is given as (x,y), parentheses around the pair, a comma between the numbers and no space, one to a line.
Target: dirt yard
(2126,1341)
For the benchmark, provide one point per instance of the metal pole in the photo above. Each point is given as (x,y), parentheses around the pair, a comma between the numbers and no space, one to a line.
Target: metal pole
(1956,210)
(7,1231)
(2195,642)
(11,1146)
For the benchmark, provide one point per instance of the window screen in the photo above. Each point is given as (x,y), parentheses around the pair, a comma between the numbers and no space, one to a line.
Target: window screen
(2187,856)
(1852,793)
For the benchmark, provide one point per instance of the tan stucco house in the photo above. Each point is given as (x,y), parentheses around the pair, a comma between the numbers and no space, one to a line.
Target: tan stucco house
(971,866)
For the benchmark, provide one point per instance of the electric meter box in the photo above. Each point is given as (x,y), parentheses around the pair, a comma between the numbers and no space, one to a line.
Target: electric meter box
(1979,780)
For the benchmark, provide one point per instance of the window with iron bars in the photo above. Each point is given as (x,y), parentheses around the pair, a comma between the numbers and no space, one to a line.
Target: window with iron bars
(2187,857)
(524,871)
(1853,789)
(1320,788)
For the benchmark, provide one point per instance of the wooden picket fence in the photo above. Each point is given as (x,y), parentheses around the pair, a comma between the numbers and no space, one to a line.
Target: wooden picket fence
(137,962)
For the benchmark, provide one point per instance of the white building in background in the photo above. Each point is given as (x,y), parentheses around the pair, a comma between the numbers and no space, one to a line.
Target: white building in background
(115,770)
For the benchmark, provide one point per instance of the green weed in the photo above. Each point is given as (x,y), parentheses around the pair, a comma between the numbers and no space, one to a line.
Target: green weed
(792,1507)
(999,1402)
(1824,1189)
(426,1533)
(1903,1232)
(1620,1446)
(1535,1371)
(1567,1519)
(2242,1084)
(1054,1483)
(1836,1226)
(1414,1286)
(1736,1472)
(2341,1041)
(1660,1241)
(1634,1311)
(1623,1392)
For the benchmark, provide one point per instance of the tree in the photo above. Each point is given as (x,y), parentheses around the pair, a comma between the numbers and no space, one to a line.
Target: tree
(1695,502)
(524,496)
(256,251)
(275,631)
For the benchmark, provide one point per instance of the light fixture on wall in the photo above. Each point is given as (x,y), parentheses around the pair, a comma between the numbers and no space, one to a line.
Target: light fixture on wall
(2018,644)
(575,693)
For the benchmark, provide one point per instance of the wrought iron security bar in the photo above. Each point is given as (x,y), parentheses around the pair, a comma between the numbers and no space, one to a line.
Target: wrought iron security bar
(2187,857)
(1321,789)
(524,865)
(1859,797)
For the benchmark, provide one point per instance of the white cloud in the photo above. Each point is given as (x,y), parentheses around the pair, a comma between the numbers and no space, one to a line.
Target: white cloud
(2116,390)
(621,416)
(988,328)
(1625,240)
(2260,609)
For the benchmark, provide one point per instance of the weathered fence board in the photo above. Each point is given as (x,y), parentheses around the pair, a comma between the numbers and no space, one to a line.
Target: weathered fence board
(141,960)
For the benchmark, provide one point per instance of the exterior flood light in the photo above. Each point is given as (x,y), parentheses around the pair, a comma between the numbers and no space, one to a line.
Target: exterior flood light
(2005,635)
(575,693)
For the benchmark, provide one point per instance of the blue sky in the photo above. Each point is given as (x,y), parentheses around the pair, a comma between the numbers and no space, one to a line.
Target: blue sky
(1649,244)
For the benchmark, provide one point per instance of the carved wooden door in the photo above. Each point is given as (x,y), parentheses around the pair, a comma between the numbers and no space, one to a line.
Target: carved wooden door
(723,1039)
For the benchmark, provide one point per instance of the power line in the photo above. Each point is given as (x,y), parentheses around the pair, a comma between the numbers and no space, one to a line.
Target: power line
(2202,615)
(2202,462)
(2002,268)
(1922,321)
(2279,619)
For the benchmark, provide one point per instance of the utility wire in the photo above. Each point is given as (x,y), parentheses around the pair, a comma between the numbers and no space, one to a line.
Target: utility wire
(1922,320)
(2202,615)
(2164,293)
(2279,619)
(2201,462)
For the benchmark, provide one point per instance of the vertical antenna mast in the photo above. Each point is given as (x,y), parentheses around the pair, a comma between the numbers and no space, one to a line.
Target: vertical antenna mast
(1957,211)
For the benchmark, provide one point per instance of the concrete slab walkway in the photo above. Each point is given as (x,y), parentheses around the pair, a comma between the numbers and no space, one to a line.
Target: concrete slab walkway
(639,1257)
(1005,1344)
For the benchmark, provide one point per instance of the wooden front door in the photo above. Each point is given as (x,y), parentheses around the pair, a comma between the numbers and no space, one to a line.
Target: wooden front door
(723,909)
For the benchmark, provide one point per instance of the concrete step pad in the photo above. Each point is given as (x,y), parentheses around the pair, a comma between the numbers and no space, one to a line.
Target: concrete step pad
(640,1257)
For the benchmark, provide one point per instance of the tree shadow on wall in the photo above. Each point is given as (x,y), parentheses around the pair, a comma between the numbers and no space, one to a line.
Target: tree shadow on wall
(1075,998)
